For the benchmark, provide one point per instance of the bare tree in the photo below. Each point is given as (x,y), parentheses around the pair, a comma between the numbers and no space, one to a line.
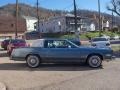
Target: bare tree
(114,6)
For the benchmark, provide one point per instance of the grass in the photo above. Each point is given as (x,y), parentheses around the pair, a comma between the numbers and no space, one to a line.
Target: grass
(116,47)
(89,35)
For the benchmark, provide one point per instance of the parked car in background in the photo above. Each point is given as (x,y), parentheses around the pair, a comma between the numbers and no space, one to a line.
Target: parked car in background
(60,51)
(100,42)
(4,44)
(116,37)
(105,36)
(15,43)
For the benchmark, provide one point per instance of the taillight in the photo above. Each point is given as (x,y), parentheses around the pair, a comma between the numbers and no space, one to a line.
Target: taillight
(12,45)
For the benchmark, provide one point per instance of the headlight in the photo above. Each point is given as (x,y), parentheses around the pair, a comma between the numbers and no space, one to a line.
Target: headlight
(108,44)
(93,44)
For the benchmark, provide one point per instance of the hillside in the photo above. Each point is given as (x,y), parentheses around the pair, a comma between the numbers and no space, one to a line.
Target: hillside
(25,9)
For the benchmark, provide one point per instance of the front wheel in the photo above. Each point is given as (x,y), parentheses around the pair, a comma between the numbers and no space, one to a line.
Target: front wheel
(94,61)
(33,61)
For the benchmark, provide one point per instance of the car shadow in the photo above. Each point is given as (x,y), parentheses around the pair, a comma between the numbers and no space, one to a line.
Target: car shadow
(47,67)
(117,54)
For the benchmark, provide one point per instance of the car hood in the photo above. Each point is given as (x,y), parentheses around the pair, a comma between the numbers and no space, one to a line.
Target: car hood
(100,42)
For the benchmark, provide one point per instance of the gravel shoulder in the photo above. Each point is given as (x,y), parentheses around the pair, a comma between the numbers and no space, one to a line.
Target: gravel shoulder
(2,86)
(17,76)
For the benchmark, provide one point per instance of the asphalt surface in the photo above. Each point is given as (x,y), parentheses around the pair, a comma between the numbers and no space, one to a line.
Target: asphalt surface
(17,76)
(115,41)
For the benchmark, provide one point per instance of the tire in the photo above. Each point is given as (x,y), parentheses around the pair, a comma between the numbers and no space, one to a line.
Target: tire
(33,61)
(94,61)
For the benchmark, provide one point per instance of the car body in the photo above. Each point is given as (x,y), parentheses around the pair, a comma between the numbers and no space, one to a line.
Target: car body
(4,44)
(100,42)
(15,43)
(60,51)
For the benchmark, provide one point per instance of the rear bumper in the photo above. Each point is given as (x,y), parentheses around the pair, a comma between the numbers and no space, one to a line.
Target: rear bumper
(17,58)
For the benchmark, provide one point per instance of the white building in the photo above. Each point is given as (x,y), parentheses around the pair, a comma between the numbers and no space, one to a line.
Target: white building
(61,24)
(30,23)
(92,27)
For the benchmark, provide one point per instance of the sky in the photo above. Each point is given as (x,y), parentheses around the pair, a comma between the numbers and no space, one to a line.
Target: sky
(64,4)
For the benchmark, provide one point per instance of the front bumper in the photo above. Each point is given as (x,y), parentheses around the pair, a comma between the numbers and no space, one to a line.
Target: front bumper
(110,58)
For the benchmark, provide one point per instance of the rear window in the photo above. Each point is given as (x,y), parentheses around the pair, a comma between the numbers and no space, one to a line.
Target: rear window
(99,39)
(6,40)
(18,41)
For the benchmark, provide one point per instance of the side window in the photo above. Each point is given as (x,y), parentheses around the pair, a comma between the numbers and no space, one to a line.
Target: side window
(61,44)
(50,44)
(58,44)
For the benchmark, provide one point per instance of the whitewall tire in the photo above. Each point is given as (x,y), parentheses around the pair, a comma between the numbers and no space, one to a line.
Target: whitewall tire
(33,61)
(94,61)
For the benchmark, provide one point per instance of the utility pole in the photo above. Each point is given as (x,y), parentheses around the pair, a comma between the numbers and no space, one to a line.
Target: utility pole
(75,18)
(16,21)
(112,19)
(38,15)
(99,17)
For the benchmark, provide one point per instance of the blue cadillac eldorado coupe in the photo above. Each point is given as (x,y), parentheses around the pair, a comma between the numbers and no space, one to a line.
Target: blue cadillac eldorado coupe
(60,51)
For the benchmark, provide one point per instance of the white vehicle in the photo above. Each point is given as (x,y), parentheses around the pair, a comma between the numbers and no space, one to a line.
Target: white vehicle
(116,37)
(100,42)
(105,36)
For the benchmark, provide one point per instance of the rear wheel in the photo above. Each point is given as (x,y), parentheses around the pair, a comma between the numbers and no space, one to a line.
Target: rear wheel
(94,61)
(33,61)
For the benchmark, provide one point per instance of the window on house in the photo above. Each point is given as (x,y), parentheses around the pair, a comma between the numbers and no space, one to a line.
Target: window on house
(12,25)
(35,27)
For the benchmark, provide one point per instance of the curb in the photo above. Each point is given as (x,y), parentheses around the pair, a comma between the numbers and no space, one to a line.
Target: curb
(2,86)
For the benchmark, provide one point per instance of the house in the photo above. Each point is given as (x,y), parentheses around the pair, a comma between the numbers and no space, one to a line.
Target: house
(89,25)
(30,23)
(8,27)
(63,24)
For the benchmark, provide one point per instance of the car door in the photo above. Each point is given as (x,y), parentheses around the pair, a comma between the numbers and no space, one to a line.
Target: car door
(62,51)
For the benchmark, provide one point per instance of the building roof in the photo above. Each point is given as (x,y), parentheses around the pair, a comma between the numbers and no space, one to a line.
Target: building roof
(29,17)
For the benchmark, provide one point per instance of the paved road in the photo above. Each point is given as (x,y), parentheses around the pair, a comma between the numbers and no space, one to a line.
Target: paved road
(115,41)
(17,76)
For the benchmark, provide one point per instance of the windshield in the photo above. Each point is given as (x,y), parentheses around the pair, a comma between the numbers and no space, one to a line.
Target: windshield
(17,41)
